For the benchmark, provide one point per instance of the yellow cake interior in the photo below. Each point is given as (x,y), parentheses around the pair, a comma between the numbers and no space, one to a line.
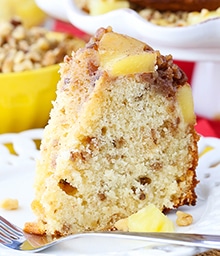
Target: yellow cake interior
(121,136)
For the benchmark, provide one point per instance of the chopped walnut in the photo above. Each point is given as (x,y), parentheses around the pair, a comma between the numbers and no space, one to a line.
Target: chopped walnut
(183,218)
(102,196)
(9,204)
(67,187)
(25,49)
(36,228)
(122,224)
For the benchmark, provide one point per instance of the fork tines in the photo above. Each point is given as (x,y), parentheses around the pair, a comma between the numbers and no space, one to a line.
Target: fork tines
(9,232)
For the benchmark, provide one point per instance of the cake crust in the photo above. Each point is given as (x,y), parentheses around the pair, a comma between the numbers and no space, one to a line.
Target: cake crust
(115,143)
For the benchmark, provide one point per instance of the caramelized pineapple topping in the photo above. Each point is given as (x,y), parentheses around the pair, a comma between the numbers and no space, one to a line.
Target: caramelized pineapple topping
(128,56)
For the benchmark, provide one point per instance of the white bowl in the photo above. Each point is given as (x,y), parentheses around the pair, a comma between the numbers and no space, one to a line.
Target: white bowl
(193,43)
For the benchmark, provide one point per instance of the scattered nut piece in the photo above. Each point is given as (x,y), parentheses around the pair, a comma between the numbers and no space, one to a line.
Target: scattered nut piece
(183,218)
(9,204)
(179,18)
(36,228)
(122,224)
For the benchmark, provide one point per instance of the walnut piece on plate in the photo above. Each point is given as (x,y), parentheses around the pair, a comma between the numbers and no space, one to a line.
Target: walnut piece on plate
(9,204)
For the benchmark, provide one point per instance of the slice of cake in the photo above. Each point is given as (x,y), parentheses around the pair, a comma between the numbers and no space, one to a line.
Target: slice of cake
(121,136)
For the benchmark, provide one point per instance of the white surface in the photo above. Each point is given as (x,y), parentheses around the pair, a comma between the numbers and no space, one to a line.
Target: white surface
(16,181)
(193,43)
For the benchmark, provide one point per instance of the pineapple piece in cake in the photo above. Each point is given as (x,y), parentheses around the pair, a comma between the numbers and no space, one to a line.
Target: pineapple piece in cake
(128,56)
(97,7)
(185,100)
(148,219)
(137,63)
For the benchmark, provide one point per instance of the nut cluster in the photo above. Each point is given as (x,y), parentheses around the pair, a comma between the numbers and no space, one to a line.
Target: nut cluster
(172,19)
(178,19)
(25,49)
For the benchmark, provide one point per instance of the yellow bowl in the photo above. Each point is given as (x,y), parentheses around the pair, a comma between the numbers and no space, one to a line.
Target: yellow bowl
(26,98)
(27,10)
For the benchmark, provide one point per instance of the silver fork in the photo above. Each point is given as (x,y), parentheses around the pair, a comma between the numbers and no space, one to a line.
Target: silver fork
(15,238)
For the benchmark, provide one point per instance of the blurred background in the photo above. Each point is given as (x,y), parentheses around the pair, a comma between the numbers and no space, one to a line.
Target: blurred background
(27,10)
(30,53)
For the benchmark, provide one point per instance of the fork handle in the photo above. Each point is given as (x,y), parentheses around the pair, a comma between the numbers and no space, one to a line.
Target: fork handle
(185,239)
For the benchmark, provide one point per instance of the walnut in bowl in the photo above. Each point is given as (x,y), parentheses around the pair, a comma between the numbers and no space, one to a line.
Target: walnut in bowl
(29,64)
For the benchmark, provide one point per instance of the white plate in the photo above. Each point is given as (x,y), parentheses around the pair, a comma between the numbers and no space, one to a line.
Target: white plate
(16,180)
(193,43)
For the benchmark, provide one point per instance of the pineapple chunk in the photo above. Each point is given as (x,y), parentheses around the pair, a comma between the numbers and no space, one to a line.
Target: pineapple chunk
(114,42)
(139,63)
(185,100)
(97,7)
(123,55)
(148,219)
